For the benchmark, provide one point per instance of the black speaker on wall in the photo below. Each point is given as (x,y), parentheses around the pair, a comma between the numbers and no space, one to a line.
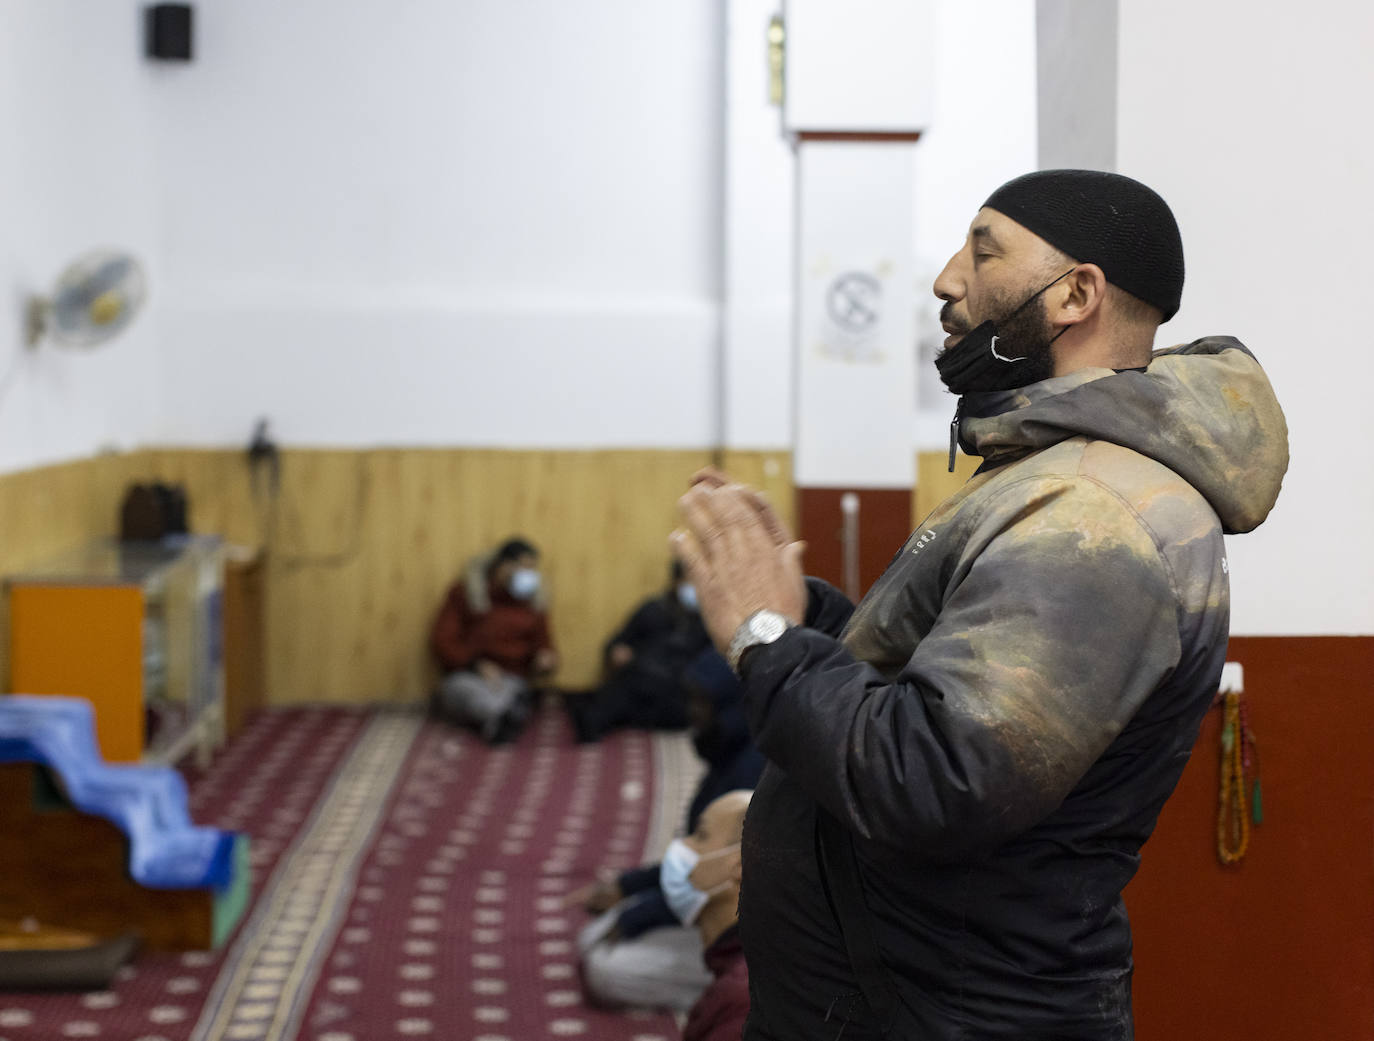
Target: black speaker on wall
(168,31)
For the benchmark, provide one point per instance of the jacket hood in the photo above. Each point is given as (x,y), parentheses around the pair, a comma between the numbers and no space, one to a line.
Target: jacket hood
(1204,409)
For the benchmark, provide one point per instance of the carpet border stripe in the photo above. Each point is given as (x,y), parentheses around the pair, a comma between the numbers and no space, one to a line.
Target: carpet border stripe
(317,876)
(677,772)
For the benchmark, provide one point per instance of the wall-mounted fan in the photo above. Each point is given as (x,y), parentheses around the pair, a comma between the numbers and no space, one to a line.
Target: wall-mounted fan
(95,298)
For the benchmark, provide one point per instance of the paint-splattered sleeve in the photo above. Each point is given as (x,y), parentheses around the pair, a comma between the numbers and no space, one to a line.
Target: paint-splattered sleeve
(1058,620)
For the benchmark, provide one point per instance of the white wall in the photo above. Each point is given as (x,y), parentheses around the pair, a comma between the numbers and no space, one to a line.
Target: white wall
(376,212)
(483,223)
(76,170)
(758,229)
(375,222)
(864,66)
(982,133)
(854,356)
(488,223)
(1075,45)
(1259,148)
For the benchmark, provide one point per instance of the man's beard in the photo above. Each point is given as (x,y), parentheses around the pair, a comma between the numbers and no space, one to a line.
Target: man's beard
(1027,334)
(1014,351)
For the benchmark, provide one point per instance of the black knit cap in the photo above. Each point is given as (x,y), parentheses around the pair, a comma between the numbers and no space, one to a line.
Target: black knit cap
(1106,219)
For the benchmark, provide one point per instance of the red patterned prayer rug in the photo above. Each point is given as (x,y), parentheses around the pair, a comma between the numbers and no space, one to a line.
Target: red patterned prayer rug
(409,883)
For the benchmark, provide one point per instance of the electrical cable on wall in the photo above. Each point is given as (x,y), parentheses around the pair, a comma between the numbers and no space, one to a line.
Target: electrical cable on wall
(265,480)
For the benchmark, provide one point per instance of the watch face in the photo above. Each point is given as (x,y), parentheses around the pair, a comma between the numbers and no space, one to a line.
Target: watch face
(761,627)
(768,626)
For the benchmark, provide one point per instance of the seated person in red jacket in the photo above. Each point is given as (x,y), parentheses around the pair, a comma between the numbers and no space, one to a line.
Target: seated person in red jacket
(492,641)
(701,878)
(644,662)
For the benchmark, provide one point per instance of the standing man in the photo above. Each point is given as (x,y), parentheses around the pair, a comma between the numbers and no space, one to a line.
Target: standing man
(963,772)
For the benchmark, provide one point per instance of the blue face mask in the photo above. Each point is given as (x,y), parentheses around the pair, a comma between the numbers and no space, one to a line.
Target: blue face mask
(687,596)
(675,879)
(524,583)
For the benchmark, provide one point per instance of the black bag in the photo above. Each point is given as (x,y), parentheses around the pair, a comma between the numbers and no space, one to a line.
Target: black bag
(150,511)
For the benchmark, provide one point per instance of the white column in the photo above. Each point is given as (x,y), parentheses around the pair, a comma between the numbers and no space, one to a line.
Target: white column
(856,330)
(758,238)
(859,94)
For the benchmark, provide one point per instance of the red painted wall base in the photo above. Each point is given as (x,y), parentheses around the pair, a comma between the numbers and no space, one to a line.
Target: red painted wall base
(885,523)
(1281,945)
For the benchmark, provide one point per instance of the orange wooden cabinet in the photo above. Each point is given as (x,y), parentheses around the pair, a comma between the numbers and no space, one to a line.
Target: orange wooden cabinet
(84,641)
(130,627)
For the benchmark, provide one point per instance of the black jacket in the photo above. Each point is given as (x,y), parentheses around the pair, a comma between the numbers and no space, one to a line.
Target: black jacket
(732,762)
(1001,720)
(664,635)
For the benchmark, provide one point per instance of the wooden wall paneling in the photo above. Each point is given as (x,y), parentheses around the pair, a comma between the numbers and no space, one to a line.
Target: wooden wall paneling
(48,510)
(356,629)
(601,519)
(433,511)
(771,473)
(407,581)
(315,559)
(351,573)
(606,542)
(361,545)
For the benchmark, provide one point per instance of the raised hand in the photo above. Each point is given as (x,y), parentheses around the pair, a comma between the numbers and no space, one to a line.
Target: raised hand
(739,556)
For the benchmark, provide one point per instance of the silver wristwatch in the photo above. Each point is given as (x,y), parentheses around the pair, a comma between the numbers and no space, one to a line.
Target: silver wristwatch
(760,627)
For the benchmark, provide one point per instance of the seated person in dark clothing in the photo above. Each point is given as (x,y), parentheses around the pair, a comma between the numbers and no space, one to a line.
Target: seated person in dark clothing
(492,641)
(638,952)
(720,733)
(708,877)
(644,663)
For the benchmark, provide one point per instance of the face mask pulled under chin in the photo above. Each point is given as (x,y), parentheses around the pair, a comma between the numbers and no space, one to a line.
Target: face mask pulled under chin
(975,364)
(980,363)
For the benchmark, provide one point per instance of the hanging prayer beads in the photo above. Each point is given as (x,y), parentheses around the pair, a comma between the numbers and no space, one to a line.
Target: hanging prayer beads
(1240,801)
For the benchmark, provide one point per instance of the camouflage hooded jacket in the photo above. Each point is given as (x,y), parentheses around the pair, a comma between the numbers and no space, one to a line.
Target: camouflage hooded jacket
(1003,716)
